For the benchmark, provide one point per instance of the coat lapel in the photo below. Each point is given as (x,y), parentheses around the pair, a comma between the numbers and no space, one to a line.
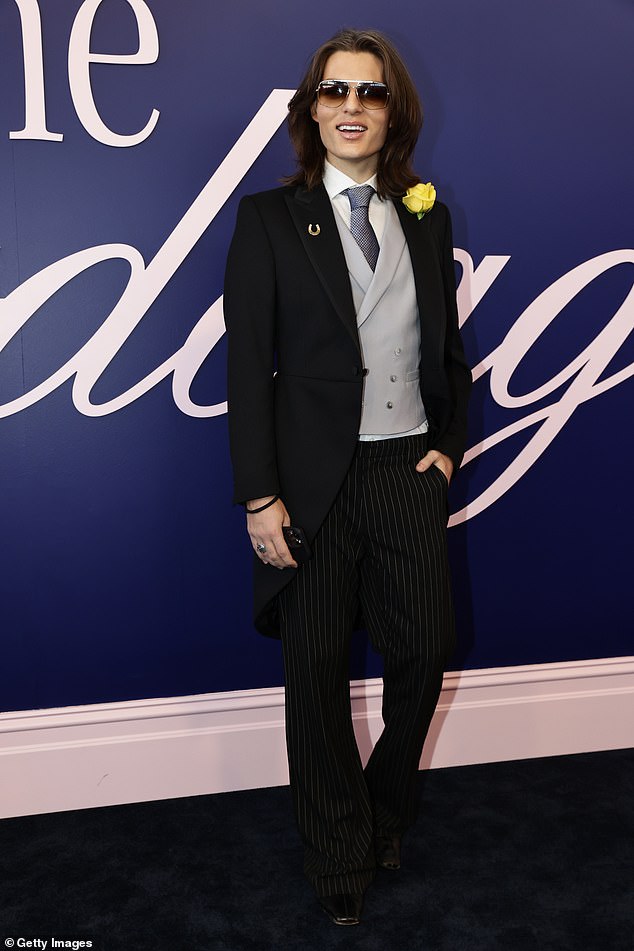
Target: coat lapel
(313,209)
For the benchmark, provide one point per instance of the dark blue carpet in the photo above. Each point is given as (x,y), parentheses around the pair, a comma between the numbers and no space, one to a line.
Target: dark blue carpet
(534,855)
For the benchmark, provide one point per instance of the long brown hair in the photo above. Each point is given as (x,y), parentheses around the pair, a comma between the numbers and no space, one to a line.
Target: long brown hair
(394,171)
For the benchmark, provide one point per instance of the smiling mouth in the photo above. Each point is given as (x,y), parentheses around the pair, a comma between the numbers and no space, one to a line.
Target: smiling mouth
(351,128)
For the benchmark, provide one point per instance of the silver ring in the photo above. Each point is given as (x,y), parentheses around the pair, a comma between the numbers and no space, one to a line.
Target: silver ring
(260,547)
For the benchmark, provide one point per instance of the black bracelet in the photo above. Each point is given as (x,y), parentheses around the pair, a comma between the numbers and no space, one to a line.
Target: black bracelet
(262,507)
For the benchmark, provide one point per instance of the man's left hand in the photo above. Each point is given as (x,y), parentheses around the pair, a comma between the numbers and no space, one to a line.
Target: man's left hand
(439,459)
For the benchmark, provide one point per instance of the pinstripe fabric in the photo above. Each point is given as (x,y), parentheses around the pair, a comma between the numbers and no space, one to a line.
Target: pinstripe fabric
(382,547)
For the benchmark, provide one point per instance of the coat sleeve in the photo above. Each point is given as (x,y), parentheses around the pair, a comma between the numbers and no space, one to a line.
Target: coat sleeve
(249,310)
(454,438)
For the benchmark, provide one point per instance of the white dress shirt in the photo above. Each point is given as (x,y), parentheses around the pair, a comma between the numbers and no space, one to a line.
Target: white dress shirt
(336,183)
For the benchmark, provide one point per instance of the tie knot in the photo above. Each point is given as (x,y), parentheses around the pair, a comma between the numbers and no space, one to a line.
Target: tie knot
(360,197)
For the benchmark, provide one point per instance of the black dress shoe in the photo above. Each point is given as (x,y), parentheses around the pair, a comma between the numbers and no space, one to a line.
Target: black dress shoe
(387,849)
(343,909)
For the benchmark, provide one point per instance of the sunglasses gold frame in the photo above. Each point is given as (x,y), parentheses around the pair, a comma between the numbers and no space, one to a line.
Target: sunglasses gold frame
(351,84)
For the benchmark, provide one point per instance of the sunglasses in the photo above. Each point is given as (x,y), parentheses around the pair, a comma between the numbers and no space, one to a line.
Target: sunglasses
(334,92)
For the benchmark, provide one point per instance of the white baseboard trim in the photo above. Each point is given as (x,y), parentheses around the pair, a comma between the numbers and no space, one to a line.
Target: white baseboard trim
(111,753)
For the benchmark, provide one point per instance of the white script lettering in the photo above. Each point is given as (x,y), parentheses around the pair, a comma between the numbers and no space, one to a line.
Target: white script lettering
(80,57)
(581,377)
(143,287)
(582,373)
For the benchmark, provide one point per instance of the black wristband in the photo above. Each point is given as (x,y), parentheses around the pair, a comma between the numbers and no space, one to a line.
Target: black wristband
(262,507)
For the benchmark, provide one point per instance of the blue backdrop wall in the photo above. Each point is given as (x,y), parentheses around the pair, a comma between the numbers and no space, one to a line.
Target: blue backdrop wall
(125,570)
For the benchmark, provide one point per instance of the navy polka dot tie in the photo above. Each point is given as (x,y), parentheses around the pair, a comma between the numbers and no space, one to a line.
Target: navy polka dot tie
(360,223)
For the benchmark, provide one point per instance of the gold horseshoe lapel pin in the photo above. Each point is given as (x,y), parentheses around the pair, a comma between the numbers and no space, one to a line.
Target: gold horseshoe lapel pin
(313,230)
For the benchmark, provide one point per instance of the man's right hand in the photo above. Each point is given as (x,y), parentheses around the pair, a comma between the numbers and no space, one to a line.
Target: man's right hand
(265,528)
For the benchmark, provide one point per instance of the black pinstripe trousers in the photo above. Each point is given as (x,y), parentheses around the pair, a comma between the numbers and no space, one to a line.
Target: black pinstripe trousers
(381,548)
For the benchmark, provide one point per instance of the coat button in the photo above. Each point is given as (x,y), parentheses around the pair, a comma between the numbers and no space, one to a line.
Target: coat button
(397,351)
(393,378)
(389,404)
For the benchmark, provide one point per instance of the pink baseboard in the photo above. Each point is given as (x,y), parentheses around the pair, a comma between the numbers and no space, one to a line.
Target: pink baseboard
(111,753)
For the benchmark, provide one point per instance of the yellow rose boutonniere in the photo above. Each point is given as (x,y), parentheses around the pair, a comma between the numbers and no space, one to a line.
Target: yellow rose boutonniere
(420,199)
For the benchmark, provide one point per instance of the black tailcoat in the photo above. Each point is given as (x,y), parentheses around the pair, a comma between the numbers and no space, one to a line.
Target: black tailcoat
(295,372)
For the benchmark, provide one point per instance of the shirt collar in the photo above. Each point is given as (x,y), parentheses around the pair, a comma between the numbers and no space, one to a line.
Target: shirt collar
(336,182)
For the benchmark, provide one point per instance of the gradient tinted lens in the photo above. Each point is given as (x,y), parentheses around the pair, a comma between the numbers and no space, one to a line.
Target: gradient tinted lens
(334,92)
(373,95)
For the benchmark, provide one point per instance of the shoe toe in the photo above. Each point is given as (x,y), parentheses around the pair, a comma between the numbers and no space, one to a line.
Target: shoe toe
(343,909)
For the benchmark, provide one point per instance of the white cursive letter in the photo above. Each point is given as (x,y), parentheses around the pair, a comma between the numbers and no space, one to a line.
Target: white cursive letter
(583,372)
(143,287)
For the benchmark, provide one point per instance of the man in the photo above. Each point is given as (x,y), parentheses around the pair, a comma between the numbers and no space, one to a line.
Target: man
(347,412)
